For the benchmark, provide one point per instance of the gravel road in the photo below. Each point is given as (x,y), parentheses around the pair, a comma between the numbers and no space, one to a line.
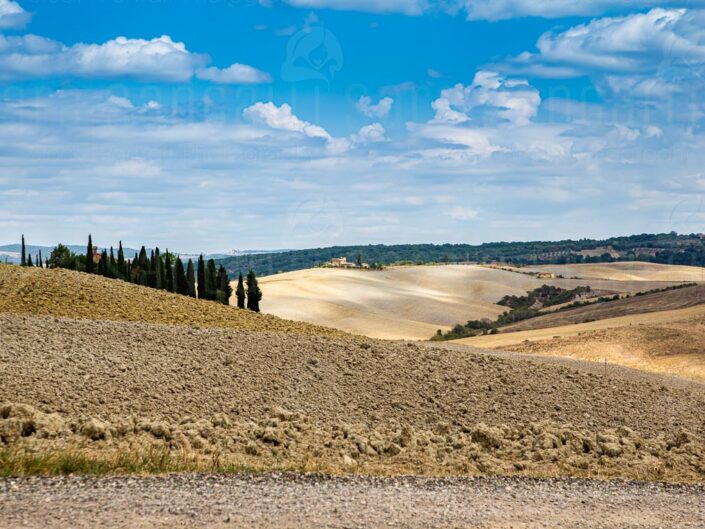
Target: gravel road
(298,501)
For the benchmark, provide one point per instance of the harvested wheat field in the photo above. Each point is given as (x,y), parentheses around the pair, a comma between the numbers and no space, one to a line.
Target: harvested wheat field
(624,271)
(413,302)
(398,303)
(71,294)
(670,341)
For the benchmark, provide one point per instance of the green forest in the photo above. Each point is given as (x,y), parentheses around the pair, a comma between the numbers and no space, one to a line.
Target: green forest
(667,248)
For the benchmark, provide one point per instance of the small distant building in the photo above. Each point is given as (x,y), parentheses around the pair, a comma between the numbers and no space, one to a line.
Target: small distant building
(342,262)
(546,275)
(96,255)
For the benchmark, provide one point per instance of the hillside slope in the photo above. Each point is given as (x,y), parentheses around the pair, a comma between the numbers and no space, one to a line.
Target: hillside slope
(397,303)
(272,400)
(670,341)
(626,271)
(78,295)
(669,300)
(411,302)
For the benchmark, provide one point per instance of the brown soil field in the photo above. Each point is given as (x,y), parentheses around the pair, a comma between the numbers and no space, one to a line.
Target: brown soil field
(268,400)
(71,294)
(413,302)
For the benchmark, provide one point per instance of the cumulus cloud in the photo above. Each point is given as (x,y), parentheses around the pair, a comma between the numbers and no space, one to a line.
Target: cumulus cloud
(379,110)
(373,133)
(510,99)
(494,9)
(235,74)
(505,9)
(12,16)
(282,118)
(160,59)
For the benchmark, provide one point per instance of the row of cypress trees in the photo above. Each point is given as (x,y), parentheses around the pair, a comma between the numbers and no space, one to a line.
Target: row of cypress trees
(164,272)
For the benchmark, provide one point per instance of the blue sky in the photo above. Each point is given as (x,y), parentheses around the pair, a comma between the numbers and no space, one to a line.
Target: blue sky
(214,125)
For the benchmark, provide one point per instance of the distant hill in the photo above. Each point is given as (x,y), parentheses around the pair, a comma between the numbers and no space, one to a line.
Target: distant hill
(665,248)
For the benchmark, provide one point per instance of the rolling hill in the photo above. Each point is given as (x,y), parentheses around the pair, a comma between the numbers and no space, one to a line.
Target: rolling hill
(413,302)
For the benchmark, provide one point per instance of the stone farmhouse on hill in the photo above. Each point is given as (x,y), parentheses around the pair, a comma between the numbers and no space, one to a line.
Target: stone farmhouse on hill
(342,262)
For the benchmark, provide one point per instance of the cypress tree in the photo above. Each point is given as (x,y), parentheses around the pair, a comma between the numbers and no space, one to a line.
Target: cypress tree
(89,255)
(201,278)
(103,264)
(224,285)
(160,283)
(240,292)
(180,280)
(40,261)
(254,294)
(211,280)
(112,272)
(152,270)
(191,279)
(23,258)
(168,273)
(122,268)
(29,260)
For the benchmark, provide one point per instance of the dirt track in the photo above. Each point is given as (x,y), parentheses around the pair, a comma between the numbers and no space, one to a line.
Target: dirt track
(294,501)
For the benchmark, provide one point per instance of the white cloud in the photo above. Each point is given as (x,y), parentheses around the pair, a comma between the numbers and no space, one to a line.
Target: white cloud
(505,9)
(408,7)
(282,118)
(495,9)
(12,16)
(513,100)
(379,110)
(659,40)
(373,133)
(235,74)
(160,59)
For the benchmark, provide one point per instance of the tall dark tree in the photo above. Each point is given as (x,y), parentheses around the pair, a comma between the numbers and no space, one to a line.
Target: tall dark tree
(161,280)
(112,266)
(180,280)
(254,294)
(211,280)
(29,260)
(103,264)
(240,292)
(121,266)
(191,279)
(224,288)
(40,261)
(89,255)
(201,283)
(168,273)
(23,258)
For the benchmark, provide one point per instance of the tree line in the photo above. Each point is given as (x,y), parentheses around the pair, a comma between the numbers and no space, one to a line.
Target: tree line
(161,271)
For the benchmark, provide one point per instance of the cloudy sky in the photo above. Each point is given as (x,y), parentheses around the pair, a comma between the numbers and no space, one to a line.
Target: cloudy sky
(234,124)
